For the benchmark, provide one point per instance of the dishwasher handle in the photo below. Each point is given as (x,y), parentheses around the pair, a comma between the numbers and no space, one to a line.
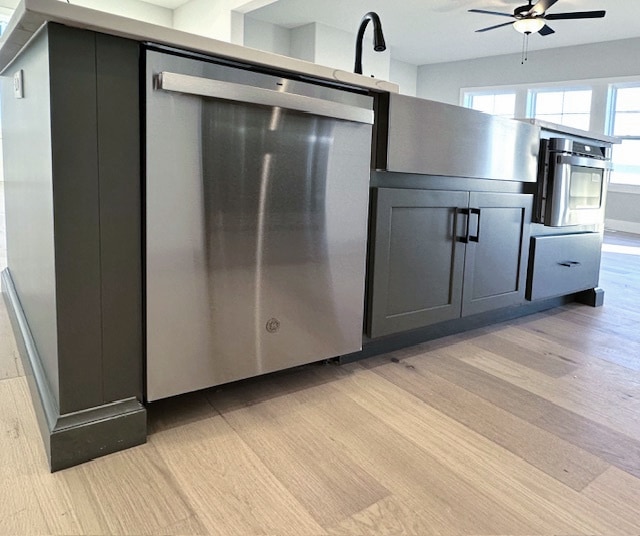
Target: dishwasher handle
(206,87)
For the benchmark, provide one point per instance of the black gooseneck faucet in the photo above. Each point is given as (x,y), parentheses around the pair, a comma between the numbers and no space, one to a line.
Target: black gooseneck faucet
(378,39)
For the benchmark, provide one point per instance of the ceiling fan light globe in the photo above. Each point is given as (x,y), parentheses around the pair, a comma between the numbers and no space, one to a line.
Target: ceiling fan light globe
(528,25)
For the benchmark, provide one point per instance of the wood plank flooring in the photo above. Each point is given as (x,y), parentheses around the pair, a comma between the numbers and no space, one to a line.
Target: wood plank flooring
(527,427)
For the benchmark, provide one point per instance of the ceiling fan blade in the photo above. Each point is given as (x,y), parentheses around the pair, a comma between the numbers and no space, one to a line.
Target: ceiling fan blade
(541,6)
(494,27)
(490,12)
(576,15)
(546,30)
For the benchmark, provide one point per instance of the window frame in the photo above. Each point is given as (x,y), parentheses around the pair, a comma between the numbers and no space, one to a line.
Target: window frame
(532,93)
(610,129)
(468,98)
(5,16)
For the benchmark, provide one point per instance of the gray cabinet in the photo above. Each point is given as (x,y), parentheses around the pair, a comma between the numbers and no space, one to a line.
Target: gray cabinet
(74,235)
(438,255)
(416,263)
(497,252)
(563,264)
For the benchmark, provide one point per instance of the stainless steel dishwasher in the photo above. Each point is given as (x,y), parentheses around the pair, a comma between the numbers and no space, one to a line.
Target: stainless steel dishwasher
(256,216)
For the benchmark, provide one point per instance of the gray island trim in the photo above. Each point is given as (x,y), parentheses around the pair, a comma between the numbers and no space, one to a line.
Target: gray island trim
(74,239)
(76,437)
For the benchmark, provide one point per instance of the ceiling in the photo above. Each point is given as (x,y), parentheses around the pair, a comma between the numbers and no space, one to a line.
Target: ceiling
(170,4)
(433,31)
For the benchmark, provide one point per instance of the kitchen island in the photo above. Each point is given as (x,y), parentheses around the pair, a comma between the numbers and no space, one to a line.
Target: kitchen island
(81,220)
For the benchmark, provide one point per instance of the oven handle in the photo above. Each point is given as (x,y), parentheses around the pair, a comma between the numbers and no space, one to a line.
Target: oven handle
(583,161)
(206,87)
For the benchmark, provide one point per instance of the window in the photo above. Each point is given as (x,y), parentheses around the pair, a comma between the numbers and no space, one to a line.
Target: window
(4,20)
(570,107)
(503,104)
(625,123)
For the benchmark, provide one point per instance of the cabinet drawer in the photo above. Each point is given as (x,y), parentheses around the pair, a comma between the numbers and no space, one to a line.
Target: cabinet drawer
(563,264)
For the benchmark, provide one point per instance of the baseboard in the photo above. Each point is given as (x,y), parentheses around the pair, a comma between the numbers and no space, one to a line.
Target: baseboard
(95,432)
(397,341)
(72,438)
(593,297)
(621,225)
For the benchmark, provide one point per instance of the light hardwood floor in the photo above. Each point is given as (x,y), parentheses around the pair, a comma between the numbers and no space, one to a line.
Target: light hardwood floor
(526,427)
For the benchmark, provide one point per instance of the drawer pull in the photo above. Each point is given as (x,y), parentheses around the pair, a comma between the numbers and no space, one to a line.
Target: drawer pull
(569,264)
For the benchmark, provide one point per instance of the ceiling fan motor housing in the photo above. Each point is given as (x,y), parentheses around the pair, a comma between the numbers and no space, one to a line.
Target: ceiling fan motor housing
(521,12)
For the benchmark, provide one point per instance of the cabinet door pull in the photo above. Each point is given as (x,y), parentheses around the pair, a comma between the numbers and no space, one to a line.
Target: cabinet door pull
(569,264)
(475,238)
(465,212)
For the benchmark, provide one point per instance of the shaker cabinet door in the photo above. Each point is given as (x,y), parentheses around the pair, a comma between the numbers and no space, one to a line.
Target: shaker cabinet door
(415,264)
(497,252)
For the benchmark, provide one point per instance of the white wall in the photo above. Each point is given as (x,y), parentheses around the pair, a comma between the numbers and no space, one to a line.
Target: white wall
(623,210)
(204,17)
(219,19)
(443,81)
(618,215)
(134,9)
(266,36)
(405,75)
(303,42)
(9,5)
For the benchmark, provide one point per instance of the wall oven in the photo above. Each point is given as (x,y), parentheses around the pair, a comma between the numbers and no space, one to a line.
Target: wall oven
(572,182)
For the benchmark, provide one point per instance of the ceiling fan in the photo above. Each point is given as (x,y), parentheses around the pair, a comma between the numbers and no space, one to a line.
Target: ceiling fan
(531,17)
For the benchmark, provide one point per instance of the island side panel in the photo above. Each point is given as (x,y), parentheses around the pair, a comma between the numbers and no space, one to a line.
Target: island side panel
(28,178)
(118,91)
(72,57)
(66,234)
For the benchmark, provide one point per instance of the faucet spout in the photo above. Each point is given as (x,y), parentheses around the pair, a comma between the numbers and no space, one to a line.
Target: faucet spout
(378,38)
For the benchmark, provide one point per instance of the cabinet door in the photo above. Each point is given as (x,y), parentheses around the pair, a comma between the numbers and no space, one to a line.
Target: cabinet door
(415,264)
(497,252)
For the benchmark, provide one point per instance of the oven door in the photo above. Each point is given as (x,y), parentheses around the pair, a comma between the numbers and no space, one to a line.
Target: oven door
(576,192)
